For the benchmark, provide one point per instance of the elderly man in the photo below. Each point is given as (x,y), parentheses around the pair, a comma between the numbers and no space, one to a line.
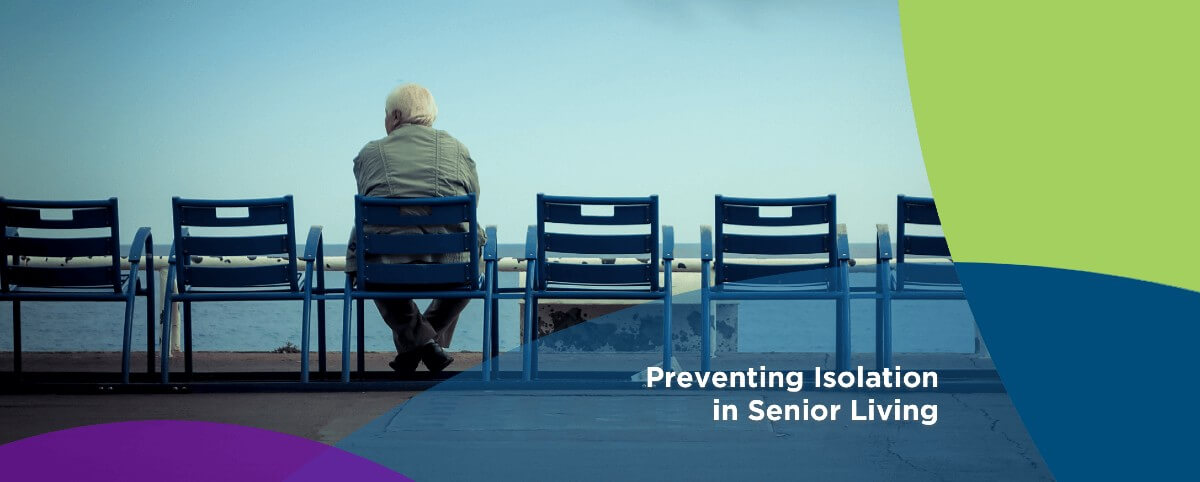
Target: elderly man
(416,160)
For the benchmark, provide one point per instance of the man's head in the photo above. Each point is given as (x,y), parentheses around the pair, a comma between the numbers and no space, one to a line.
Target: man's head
(409,104)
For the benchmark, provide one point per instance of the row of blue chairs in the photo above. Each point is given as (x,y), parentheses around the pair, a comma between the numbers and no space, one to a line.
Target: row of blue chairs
(193,275)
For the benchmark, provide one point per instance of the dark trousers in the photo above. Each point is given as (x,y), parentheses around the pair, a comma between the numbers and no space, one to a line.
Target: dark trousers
(412,329)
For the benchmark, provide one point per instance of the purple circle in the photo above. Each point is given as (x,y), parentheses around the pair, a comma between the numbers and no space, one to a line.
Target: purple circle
(177,450)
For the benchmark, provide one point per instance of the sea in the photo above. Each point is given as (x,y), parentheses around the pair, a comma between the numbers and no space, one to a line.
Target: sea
(919,326)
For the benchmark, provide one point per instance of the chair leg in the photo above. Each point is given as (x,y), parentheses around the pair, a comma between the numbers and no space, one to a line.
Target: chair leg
(16,310)
(361,336)
(127,337)
(187,339)
(879,361)
(840,363)
(486,367)
(165,343)
(347,307)
(527,340)
(884,316)
(667,313)
(885,358)
(306,315)
(879,317)
(149,325)
(321,348)
(843,323)
(536,340)
(527,347)
(705,321)
(496,338)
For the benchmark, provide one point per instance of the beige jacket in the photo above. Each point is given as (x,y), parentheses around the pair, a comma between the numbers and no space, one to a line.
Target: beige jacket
(416,161)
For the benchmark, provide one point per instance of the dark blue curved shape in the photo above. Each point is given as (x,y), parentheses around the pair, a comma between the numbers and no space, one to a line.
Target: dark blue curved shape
(1098,366)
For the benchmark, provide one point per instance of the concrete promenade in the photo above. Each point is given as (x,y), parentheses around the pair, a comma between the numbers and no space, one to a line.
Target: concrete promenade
(979,436)
(565,435)
(324,417)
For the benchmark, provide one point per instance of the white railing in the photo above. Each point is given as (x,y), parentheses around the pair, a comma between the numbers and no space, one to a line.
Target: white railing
(338,263)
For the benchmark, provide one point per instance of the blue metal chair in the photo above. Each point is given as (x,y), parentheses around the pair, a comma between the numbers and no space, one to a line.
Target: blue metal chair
(376,279)
(549,279)
(926,277)
(77,279)
(769,281)
(198,275)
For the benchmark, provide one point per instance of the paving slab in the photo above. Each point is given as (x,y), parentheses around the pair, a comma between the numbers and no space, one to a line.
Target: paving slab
(638,435)
(576,434)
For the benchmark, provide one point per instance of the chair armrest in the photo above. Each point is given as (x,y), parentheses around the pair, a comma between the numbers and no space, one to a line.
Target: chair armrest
(668,243)
(489,249)
(706,243)
(140,241)
(843,244)
(313,244)
(531,243)
(883,243)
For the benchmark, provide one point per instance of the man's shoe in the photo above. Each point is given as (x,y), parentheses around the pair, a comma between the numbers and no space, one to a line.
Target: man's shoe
(406,363)
(435,358)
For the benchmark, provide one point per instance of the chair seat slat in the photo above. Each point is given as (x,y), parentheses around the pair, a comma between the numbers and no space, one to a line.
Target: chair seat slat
(921,213)
(380,243)
(237,277)
(382,215)
(599,244)
(803,215)
(235,245)
(59,247)
(775,245)
(83,218)
(926,245)
(774,274)
(63,277)
(599,274)
(206,216)
(573,214)
(927,274)
(417,273)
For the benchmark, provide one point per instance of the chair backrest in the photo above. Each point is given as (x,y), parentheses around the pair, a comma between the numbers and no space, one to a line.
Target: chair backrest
(635,213)
(16,215)
(261,213)
(747,212)
(920,211)
(422,213)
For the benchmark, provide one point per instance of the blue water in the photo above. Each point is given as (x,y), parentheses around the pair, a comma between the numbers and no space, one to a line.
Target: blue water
(763,326)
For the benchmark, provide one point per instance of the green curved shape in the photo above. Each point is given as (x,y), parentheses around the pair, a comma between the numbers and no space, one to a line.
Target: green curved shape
(1062,134)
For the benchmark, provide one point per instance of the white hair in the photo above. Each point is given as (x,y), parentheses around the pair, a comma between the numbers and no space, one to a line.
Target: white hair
(414,103)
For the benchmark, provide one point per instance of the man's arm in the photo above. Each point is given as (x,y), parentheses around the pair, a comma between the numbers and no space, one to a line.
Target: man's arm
(472,181)
(472,175)
(368,171)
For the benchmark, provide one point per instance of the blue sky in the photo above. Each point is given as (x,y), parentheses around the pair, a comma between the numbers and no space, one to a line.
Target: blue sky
(146,100)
